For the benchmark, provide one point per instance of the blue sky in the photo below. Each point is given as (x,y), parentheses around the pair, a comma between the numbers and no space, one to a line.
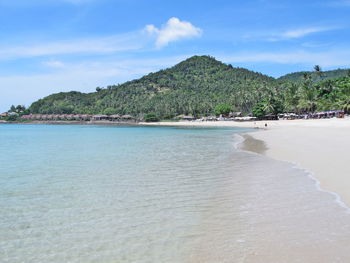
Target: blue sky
(48,46)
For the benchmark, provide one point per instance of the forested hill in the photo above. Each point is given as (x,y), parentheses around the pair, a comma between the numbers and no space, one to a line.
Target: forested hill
(194,86)
(199,84)
(315,76)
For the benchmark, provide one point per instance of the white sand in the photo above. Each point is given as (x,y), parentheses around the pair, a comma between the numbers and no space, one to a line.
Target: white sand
(321,146)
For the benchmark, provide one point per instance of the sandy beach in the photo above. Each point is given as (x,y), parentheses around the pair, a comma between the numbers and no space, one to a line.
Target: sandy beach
(320,146)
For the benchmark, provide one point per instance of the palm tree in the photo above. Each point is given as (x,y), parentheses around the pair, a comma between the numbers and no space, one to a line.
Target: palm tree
(291,96)
(269,108)
(346,105)
(306,77)
(318,70)
(308,97)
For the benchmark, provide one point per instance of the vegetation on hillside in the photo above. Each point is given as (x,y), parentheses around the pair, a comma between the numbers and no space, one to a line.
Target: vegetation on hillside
(222,109)
(195,87)
(199,85)
(316,76)
(309,97)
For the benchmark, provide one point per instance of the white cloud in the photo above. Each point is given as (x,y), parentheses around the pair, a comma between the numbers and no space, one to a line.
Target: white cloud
(283,35)
(151,29)
(54,64)
(301,32)
(173,30)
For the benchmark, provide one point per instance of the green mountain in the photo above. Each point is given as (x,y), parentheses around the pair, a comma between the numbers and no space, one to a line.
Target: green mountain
(315,76)
(195,86)
(199,84)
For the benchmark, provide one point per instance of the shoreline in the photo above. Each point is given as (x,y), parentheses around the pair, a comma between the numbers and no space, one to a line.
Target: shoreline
(253,145)
(319,146)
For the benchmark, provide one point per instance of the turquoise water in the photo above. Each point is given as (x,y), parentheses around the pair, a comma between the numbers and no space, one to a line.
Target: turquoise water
(139,194)
(116,194)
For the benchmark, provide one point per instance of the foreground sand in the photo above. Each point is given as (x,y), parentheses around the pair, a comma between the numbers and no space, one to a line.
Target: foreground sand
(321,146)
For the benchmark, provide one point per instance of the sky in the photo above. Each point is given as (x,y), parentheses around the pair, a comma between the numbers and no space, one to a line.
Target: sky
(50,46)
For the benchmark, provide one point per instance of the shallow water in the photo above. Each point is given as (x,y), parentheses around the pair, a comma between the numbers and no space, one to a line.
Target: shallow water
(136,194)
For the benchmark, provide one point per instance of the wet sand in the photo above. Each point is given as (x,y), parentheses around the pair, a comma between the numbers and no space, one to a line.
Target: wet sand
(251,144)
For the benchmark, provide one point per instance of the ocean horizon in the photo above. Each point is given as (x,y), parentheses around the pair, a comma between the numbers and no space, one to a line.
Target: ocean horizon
(81,193)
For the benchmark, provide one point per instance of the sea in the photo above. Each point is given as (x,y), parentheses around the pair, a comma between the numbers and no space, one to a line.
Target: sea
(84,193)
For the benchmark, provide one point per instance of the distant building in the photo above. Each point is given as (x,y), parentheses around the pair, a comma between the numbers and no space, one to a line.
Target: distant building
(185,117)
(235,114)
(78,117)
(3,115)
(100,117)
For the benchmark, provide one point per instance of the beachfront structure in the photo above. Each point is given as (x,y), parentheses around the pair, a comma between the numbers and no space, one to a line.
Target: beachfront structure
(100,117)
(126,117)
(113,118)
(289,116)
(3,115)
(56,117)
(328,114)
(78,117)
(315,115)
(185,117)
(246,118)
(209,118)
(270,117)
(235,114)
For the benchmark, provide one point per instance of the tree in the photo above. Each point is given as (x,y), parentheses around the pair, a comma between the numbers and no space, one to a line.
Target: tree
(151,117)
(346,105)
(17,109)
(318,70)
(308,97)
(109,111)
(290,97)
(13,116)
(306,77)
(259,110)
(267,106)
(12,109)
(222,109)
(20,108)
